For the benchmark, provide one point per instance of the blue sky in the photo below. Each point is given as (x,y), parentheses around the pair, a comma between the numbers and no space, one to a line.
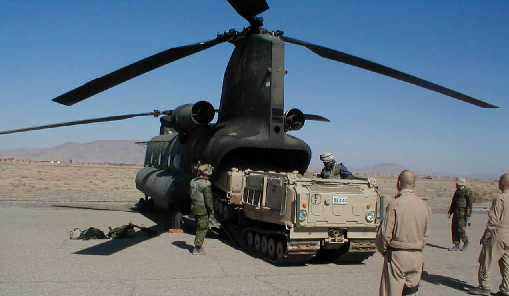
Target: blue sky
(49,47)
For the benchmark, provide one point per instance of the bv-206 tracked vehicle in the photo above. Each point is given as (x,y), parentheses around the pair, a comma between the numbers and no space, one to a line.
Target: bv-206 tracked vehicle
(286,217)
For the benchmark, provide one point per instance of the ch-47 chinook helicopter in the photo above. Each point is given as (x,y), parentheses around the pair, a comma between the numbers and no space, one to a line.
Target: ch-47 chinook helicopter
(258,181)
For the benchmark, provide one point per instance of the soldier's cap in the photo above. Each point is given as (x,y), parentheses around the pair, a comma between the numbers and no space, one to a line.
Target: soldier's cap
(461,181)
(327,157)
(205,169)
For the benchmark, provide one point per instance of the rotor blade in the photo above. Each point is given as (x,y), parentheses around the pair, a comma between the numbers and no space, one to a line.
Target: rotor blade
(315,117)
(342,57)
(79,122)
(140,67)
(248,9)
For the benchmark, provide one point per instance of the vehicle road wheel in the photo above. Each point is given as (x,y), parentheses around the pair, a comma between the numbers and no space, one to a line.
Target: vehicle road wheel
(257,242)
(280,250)
(271,248)
(264,245)
(249,239)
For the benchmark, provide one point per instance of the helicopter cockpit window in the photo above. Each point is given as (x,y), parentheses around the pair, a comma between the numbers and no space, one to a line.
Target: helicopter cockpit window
(151,162)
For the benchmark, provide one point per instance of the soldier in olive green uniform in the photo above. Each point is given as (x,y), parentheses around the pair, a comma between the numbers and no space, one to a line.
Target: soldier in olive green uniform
(201,205)
(461,210)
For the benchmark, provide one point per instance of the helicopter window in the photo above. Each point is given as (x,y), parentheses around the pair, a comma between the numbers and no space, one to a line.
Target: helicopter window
(148,155)
(155,158)
(165,155)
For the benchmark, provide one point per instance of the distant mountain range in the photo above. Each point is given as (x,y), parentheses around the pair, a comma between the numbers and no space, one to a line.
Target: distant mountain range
(382,169)
(128,152)
(105,151)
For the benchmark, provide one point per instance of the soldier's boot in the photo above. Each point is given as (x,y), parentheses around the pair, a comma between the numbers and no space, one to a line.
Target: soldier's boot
(480,291)
(198,251)
(456,247)
(414,291)
(465,246)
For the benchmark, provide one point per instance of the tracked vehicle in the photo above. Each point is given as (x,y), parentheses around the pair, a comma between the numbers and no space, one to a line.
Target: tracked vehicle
(286,217)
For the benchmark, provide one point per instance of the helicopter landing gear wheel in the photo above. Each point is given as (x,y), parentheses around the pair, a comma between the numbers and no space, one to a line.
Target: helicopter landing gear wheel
(249,239)
(263,247)
(271,248)
(257,242)
(176,220)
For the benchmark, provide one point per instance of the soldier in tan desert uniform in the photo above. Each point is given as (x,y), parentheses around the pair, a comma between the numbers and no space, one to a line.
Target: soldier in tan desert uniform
(401,239)
(495,242)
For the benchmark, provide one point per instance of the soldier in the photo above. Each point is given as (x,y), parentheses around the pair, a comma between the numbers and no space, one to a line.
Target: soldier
(401,239)
(461,210)
(201,204)
(331,169)
(495,242)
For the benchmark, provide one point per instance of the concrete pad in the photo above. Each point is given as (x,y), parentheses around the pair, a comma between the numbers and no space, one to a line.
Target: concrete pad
(38,258)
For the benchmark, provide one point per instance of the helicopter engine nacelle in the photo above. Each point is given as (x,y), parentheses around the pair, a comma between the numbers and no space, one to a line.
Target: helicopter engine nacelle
(189,116)
(294,120)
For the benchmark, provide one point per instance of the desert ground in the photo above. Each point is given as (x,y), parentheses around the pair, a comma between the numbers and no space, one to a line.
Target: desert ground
(38,258)
(80,183)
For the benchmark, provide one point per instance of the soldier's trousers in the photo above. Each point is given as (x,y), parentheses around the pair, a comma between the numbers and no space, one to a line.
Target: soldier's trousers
(401,273)
(494,250)
(202,227)
(458,229)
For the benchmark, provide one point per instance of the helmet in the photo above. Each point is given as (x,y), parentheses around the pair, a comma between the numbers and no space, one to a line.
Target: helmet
(205,169)
(327,157)
(461,181)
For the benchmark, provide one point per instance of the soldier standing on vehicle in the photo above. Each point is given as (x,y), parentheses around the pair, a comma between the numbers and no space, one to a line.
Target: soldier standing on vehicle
(461,210)
(201,204)
(495,242)
(332,169)
(401,239)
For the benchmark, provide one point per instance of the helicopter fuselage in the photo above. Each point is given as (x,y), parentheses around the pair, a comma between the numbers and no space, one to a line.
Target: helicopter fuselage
(249,132)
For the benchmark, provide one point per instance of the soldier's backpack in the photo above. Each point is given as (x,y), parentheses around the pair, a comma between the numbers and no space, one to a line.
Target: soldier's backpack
(123,231)
(89,233)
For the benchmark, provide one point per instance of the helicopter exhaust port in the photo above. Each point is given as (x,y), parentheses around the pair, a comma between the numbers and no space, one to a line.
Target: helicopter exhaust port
(295,119)
(189,116)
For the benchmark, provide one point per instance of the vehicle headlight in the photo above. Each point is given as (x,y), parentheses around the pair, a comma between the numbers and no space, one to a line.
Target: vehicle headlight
(370,217)
(302,215)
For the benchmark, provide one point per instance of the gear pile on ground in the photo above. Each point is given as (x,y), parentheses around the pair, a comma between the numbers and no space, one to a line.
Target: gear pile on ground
(124,231)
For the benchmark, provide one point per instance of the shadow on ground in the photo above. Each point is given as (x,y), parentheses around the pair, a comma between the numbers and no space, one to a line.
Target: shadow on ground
(442,280)
(113,246)
(227,236)
(183,245)
(437,246)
